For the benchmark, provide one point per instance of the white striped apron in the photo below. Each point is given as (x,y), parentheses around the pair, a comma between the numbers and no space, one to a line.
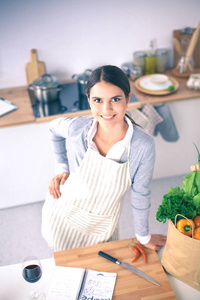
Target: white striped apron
(89,208)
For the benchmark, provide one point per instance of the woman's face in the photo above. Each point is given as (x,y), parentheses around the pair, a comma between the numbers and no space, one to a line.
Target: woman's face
(108,103)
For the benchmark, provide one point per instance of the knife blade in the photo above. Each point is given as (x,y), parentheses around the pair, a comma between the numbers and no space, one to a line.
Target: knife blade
(129,267)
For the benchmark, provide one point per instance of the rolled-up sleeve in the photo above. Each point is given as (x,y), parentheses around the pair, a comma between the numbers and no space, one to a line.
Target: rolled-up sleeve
(58,136)
(140,188)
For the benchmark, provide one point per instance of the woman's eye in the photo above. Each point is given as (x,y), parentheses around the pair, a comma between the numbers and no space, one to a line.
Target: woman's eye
(115,99)
(97,100)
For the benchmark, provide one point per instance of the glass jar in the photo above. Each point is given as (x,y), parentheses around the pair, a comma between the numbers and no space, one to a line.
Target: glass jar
(162,60)
(135,72)
(126,68)
(185,64)
(139,59)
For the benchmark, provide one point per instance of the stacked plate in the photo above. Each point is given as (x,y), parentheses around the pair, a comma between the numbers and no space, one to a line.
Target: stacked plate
(156,84)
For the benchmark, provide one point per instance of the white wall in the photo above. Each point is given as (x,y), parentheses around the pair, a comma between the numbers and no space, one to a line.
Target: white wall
(175,158)
(72,35)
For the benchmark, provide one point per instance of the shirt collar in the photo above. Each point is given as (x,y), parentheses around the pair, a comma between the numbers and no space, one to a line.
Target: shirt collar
(123,144)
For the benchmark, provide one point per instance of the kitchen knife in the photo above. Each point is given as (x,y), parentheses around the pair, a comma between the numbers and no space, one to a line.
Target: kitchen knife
(129,267)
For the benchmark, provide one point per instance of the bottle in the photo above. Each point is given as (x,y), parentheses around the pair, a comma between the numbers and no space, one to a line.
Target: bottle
(150,60)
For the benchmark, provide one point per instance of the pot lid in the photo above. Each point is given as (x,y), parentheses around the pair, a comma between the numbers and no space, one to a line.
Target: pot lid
(46,81)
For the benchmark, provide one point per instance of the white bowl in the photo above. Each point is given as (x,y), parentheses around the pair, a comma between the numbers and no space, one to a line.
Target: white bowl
(158,78)
(147,84)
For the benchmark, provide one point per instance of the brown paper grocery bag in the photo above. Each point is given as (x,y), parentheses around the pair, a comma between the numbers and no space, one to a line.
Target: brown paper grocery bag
(181,257)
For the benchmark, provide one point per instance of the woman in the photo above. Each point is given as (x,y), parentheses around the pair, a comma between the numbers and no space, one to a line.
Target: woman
(111,154)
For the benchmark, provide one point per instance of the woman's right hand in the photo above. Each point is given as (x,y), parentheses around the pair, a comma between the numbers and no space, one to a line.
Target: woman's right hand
(54,186)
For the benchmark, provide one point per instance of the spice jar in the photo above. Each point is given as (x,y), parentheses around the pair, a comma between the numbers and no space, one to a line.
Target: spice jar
(135,72)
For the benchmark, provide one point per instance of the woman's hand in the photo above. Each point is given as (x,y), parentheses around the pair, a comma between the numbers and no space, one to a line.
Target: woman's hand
(54,186)
(156,241)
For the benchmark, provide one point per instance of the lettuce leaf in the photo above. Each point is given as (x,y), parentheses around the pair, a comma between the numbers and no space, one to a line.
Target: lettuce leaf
(197,181)
(189,185)
(196,202)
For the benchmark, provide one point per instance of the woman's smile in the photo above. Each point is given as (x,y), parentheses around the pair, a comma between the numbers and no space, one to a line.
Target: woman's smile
(107,117)
(108,103)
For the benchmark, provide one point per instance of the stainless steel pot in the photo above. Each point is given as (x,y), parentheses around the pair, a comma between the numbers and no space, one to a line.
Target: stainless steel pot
(44,93)
(82,82)
(46,88)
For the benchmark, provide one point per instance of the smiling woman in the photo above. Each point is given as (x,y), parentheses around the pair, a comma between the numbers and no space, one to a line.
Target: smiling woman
(108,106)
(112,154)
(108,98)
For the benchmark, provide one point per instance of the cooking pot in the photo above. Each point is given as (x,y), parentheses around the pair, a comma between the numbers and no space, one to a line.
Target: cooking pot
(82,82)
(46,88)
(44,93)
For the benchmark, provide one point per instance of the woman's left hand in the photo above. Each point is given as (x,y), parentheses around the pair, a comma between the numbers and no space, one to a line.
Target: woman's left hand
(156,241)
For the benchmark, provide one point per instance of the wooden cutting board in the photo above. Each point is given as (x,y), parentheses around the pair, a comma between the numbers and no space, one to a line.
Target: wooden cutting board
(128,285)
(34,69)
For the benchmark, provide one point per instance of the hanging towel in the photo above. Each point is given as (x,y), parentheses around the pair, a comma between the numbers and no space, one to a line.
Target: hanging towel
(154,118)
(167,128)
(138,117)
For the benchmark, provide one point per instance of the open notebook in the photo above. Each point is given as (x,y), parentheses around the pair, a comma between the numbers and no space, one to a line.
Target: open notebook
(79,284)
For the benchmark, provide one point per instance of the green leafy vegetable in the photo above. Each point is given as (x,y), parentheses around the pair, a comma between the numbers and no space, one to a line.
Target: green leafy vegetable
(185,201)
(170,88)
(198,153)
(188,185)
(196,202)
(175,202)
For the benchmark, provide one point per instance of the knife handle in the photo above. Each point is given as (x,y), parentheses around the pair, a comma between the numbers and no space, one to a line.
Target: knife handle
(103,254)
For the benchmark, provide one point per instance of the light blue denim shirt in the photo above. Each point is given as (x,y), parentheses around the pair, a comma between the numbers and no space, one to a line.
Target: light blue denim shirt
(141,161)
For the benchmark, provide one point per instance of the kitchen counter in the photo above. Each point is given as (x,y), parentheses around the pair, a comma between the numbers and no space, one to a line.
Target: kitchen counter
(11,276)
(24,114)
(128,285)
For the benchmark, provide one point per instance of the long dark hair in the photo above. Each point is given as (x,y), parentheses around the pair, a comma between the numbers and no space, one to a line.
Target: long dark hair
(113,75)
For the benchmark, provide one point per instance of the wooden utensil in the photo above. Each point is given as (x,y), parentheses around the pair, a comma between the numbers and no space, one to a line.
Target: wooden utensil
(34,69)
(191,46)
(177,45)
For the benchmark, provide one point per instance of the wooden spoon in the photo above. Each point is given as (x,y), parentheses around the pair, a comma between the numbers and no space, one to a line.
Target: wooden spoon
(192,45)
(177,45)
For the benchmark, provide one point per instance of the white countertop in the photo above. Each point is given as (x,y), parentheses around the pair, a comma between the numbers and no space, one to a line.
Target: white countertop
(14,287)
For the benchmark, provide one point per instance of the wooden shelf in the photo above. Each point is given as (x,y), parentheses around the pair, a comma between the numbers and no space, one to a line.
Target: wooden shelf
(183,93)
